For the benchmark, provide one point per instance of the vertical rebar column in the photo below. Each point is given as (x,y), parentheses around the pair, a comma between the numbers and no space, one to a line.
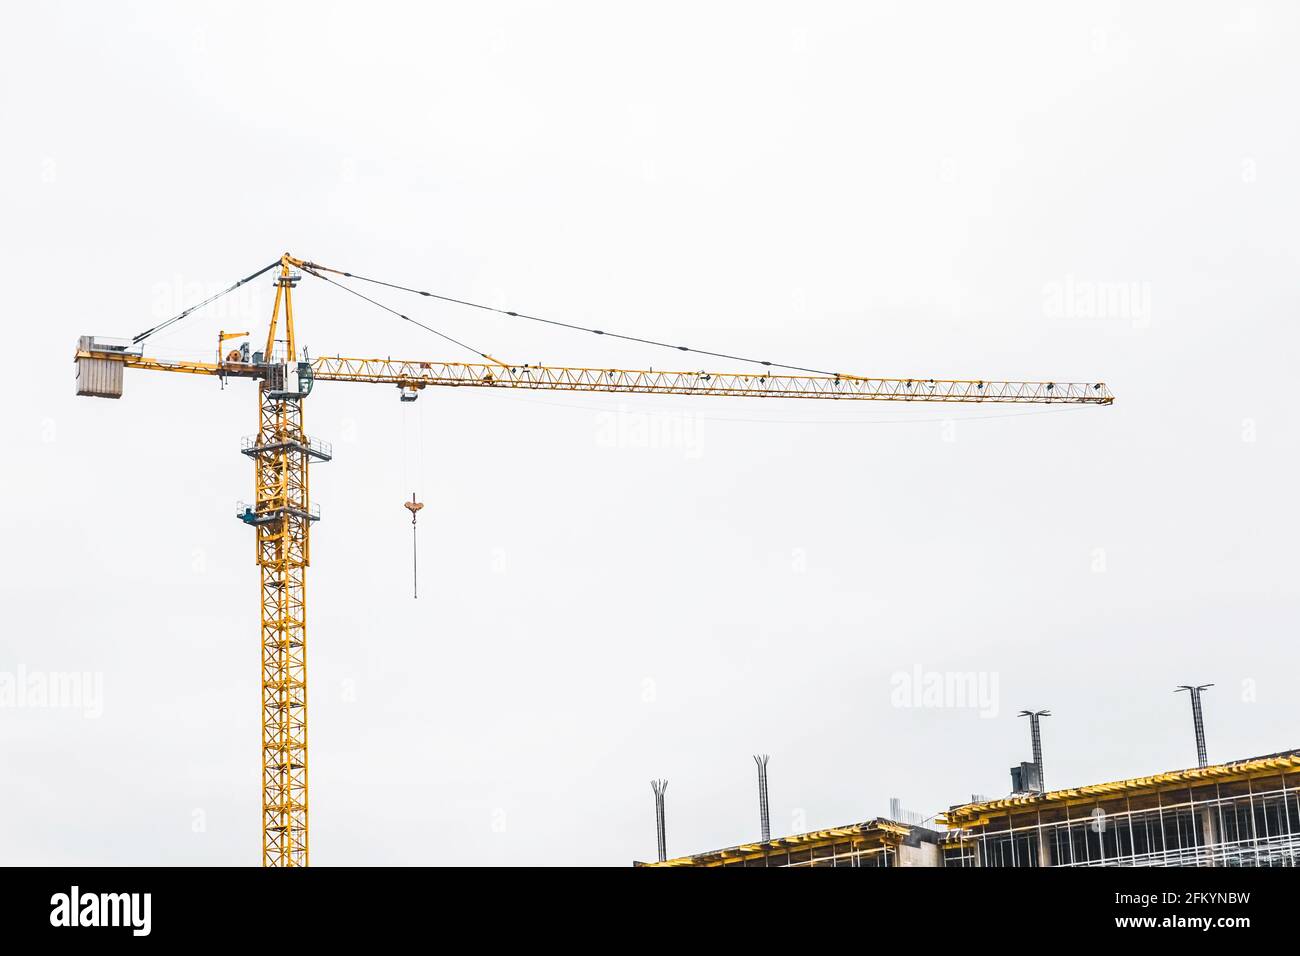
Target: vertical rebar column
(659,786)
(764,819)
(1036,741)
(1198,724)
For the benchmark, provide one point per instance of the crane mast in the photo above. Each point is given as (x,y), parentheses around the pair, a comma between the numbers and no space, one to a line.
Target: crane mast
(282,512)
(282,517)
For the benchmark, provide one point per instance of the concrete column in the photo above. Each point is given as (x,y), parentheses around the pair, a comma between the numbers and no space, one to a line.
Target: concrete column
(1209,834)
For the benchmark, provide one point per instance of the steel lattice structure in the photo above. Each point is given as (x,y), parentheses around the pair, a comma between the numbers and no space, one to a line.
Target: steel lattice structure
(283,554)
(282,516)
(282,511)
(417,375)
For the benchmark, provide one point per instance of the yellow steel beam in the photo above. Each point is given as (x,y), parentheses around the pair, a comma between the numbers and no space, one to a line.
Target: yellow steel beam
(133,360)
(275,314)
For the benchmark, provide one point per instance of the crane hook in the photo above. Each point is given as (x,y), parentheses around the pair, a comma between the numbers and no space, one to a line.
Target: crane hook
(414,506)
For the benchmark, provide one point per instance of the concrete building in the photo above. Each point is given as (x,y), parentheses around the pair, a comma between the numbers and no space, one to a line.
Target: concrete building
(877,842)
(1241,813)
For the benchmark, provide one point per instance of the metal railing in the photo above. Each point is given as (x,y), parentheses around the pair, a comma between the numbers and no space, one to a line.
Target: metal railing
(245,511)
(315,446)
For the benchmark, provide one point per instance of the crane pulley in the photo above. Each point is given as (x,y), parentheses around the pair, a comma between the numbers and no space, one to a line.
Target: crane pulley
(282,513)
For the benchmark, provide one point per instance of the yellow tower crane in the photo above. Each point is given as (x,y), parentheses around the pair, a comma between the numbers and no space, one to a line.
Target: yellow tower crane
(281,512)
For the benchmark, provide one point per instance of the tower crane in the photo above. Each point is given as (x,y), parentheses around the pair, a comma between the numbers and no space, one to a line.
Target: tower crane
(281,513)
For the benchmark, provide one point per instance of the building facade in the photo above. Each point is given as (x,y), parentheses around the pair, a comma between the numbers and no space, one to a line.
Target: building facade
(876,843)
(1241,813)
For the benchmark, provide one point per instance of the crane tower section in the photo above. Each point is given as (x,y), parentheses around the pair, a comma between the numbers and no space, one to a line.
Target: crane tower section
(282,515)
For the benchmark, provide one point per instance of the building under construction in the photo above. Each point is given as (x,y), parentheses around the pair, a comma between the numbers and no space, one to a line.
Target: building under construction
(877,842)
(1244,813)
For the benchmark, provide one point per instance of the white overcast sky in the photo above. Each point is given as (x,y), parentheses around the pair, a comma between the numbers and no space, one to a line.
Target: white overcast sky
(615,589)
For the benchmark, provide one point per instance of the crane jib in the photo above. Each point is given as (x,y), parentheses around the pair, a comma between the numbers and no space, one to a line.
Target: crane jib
(100,375)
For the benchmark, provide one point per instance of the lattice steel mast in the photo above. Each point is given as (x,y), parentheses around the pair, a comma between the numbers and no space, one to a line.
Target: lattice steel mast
(282,516)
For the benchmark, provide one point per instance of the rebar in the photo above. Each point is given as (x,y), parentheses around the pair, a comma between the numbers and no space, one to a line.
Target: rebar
(764,818)
(1198,724)
(659,786)
(1036,741)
